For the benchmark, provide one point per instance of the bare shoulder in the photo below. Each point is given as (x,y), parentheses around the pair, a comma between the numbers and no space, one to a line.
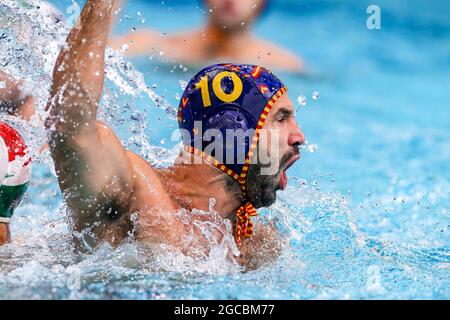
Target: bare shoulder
(149,191)
(157,222)
(277,57)
(141,168)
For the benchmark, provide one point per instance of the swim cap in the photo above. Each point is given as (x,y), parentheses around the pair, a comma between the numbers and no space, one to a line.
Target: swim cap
(228,97)
(15,171)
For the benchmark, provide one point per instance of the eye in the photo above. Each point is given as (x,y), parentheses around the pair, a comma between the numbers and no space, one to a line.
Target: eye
(283,118)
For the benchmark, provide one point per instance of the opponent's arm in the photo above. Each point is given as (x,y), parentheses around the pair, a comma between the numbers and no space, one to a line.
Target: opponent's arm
(140,42)
(94,172)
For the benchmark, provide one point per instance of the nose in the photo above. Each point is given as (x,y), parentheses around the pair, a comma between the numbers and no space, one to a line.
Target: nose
(296,138)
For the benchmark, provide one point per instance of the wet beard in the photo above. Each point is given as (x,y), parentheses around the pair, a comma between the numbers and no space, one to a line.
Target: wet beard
(261,189)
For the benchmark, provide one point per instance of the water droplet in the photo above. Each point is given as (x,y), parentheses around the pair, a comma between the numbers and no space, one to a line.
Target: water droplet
(309,147)
(163,141)
(302,100)
(315,95)
(212,203)
(135,116)
(183,84)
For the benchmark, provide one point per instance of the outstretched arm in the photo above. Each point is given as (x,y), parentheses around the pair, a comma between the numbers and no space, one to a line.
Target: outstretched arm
(140,42)
(93,169)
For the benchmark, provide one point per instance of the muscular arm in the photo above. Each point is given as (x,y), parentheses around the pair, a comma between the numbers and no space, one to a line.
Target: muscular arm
(93,169)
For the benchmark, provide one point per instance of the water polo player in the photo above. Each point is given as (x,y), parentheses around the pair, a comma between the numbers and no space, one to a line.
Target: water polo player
(15,175)
(105,185)
(227,35)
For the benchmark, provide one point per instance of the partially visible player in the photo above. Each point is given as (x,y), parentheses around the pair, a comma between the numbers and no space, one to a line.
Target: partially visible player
(15,173)
(226,36)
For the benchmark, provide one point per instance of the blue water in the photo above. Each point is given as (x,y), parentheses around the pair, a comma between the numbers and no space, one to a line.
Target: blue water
(366,214)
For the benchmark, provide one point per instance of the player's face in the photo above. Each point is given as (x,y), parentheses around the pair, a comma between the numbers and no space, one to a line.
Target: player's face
(283,152)
(234,13)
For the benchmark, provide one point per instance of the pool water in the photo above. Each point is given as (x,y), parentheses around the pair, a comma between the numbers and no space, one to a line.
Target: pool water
(366,214)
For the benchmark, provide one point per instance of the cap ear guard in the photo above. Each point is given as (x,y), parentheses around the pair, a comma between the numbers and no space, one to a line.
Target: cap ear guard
(235,128)
(229,117)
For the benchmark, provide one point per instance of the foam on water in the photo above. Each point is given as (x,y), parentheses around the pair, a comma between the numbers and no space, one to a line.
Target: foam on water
(329,253)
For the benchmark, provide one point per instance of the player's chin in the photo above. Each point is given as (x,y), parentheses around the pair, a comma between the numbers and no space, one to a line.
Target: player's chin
(269,194)
(268,201)
(231,23)
(264,200)
(262,191)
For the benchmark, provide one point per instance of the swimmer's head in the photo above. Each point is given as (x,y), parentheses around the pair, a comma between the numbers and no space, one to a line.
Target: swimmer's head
(233,14)
(240,119)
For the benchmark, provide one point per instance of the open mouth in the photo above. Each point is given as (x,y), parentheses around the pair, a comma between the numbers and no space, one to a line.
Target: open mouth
(283,178)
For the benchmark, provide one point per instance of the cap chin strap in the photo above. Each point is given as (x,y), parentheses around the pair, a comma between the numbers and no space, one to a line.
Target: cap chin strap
(244,224)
